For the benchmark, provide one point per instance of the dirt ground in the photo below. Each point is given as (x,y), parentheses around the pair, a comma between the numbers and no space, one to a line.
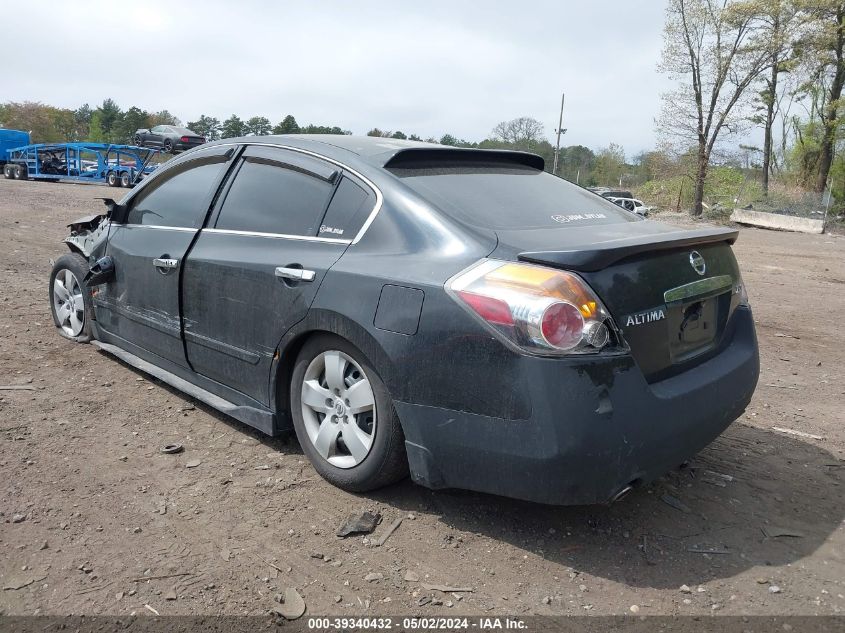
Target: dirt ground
(110,524)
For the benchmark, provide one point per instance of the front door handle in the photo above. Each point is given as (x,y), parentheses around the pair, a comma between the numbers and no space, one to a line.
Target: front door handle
(165,263)
(297,274)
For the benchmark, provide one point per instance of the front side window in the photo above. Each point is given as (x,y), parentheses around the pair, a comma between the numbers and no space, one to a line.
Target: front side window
(181,199)
(268,197)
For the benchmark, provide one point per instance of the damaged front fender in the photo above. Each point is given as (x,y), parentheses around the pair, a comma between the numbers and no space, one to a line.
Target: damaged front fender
(87,235)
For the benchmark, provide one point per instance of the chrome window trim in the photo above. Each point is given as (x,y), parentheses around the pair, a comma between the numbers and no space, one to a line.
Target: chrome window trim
(376,207)
(281,236)
(158,227)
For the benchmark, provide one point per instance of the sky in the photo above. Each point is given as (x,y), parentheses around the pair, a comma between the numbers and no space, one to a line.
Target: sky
(426,68)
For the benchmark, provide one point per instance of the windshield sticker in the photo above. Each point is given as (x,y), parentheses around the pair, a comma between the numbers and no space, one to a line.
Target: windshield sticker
(566,219)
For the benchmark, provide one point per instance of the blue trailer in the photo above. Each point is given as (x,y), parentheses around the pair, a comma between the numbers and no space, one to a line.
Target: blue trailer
(9,139)
(116,165)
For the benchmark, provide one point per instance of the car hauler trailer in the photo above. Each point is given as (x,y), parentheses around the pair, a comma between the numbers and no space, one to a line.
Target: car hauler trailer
(116,165)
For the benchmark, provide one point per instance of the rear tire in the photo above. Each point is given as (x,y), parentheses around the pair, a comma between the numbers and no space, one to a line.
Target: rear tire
(125,179)
(168,146)
(70,301)
(21,172)
(111,179)
(137,140)
(7,172)
(373,454)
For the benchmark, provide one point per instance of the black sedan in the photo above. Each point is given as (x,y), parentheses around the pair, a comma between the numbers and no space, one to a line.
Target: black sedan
(170,138)
(456,314)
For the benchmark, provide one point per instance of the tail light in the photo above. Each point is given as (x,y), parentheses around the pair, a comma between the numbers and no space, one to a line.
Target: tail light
(185,139)
(537,309)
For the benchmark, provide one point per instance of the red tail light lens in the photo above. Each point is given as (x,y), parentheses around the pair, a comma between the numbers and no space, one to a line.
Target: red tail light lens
(185,139)
(540,310)
(562,325)
(490,309)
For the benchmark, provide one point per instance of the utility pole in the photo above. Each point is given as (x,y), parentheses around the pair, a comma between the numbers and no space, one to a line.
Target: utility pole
(559,132)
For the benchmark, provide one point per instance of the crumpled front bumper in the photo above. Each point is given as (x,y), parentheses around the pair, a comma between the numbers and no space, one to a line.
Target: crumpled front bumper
(595,427)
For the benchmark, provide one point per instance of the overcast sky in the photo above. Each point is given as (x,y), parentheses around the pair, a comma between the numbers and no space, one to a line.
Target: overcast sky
(426,68)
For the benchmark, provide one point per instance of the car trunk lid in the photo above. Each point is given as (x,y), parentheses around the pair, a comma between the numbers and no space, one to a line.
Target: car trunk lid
(670,291)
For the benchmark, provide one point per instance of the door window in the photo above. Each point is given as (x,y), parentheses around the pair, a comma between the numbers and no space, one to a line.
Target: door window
(268,197)
(347,212)
(181,198)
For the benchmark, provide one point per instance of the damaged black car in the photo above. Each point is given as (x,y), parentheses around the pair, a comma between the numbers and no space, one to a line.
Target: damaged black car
(458,315)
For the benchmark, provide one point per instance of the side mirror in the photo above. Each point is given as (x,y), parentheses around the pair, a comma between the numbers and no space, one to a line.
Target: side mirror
(117,213)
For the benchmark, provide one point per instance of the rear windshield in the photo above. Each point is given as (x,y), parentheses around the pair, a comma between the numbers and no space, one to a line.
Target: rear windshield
(510,197)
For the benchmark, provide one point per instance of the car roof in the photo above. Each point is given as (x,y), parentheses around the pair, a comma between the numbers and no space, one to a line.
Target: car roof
(374,151)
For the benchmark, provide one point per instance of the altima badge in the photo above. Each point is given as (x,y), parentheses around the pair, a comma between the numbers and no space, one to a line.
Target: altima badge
(697,262)
(650,316)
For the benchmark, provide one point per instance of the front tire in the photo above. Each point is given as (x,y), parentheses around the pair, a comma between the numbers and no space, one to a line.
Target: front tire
(70,301)
(138,140)
(344,417)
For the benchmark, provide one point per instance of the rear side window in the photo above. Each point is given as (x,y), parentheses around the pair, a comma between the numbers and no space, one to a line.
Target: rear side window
(181,198)
(509,196)
(269,198)
(347,212)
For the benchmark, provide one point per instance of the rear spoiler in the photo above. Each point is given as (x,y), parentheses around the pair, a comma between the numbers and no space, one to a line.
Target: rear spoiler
(428,157)
(603,254)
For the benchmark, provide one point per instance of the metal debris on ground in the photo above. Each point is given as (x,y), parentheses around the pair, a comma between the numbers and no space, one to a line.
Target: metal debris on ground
(695,549)
(148,607)
(172,449)
(772,531)
(675,503)
(390,530)
(809,436)
(17,388)
(363,523)
(291,606)
(447,588)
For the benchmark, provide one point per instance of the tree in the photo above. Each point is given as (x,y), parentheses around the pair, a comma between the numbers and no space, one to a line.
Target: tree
(711,48)
(287,126)
(377,132)
(110,116)
(258,126)
(609,165)
(95,129)
(164,118)
(779,19)
(825,42)
(523,133)
(399,135)
(232,127)
(133,119)
(206,126)
(82,117)
(322,129)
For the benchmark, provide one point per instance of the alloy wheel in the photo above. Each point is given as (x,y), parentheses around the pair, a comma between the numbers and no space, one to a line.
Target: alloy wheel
(338,408)
(68,302)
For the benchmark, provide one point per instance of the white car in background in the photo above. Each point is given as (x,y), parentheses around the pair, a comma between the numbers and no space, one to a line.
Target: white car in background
(631,204)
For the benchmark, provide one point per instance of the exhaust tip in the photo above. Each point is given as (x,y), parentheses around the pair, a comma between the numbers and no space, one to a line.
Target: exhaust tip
(623,492)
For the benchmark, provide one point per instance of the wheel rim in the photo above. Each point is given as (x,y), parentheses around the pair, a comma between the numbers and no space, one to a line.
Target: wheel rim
(338,408)
(68,303)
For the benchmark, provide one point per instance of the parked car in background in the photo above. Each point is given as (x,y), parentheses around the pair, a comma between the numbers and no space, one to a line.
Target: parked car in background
(457,314)
(169,138)
(631,204)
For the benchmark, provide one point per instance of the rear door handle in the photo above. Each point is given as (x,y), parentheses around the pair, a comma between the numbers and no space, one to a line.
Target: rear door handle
(297,274)
(165,263)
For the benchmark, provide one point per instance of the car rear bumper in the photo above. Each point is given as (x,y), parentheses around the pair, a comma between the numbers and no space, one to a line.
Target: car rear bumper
(595,427)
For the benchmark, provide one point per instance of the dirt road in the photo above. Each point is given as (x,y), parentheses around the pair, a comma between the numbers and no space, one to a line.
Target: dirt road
(101,508)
